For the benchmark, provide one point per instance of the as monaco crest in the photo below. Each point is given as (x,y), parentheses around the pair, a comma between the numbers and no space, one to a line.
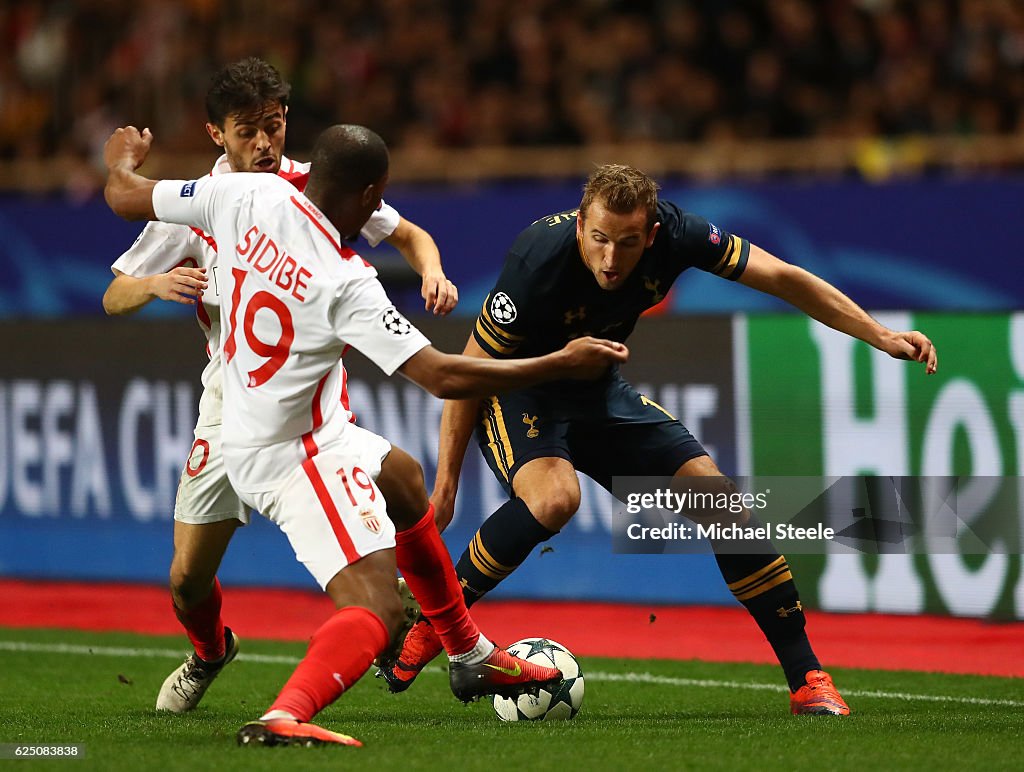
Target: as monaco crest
(370,520)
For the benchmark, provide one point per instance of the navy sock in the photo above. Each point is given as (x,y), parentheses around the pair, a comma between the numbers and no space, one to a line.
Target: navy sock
(764,584)
(503,542)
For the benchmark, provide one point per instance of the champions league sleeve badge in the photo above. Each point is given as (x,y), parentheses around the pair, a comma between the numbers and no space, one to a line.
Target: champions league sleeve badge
(503,310)
(395,323)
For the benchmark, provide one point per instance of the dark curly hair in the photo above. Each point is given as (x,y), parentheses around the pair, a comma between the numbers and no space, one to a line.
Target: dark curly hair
(242,87)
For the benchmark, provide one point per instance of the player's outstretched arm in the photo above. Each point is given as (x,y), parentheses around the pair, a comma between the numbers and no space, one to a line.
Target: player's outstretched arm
(127,294)
(128,194)
(421,253)
(824,302)
(458,417)
(452,376)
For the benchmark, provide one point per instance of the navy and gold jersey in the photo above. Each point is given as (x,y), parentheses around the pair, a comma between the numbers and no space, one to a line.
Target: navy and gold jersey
(546,295)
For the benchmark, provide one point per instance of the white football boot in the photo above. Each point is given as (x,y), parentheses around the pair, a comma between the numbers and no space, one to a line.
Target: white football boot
(185,687)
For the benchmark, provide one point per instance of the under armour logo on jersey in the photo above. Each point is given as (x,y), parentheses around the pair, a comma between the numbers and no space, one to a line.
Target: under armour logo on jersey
(503,310)
(395,323)
(572,316)
(188,190)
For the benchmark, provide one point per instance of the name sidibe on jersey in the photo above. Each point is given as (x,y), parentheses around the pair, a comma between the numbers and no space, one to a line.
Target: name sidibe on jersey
(266,257)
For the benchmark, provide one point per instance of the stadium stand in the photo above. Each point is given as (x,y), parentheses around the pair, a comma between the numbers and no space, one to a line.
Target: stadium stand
(705,87)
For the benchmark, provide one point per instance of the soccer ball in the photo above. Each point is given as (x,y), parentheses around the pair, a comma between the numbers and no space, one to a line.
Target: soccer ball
(560,704)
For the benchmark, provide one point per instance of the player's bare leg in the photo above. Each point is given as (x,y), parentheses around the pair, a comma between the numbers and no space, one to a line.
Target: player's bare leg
(196,596)
(550,488)
(761,580)
(198,552)
(340,651)
(477,666)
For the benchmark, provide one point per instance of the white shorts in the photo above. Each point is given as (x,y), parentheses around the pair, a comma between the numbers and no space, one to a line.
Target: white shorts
(330,508)
(204,493)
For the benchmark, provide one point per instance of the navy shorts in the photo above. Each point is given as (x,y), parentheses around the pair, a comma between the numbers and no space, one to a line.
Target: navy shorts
(605,429)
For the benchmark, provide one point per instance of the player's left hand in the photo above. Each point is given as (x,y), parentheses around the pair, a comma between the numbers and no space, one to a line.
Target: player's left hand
(914,346)
(127,148)
(439,294)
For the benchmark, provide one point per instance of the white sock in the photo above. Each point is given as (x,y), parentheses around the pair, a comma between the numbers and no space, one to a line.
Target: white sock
(270,715)
(481,651)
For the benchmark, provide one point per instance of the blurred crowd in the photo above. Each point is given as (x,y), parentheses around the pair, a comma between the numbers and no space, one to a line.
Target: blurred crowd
(456,73)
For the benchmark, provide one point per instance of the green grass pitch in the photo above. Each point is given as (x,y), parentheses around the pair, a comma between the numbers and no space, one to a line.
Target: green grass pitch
(98,690)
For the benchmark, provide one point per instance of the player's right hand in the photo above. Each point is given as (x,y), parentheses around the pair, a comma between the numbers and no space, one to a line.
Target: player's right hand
(180,285)
(127,148)
(589,358)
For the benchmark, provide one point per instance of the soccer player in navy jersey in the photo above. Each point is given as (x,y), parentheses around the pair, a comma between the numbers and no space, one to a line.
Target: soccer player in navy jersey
(594,271)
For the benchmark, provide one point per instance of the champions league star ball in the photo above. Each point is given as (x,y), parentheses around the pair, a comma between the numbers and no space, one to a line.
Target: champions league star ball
(560,704)
(395,323)
(503,309)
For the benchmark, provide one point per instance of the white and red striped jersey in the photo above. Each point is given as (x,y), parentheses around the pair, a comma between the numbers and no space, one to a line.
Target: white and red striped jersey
(294,298)
(162,247)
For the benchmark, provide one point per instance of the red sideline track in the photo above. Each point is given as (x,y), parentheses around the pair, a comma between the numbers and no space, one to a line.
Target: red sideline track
(715,634)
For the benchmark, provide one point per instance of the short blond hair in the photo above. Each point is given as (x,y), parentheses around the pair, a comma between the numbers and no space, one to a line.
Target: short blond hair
(622,189)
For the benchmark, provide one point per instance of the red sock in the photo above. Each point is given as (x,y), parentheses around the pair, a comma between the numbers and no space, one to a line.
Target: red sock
(204,626)
(427,567)
(338,655)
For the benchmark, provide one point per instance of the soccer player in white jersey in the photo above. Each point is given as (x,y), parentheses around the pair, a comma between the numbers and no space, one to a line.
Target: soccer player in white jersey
(295,298)
(246,107)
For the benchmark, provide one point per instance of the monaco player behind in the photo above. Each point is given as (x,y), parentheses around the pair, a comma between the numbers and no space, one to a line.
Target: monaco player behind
(246,108)
(352,505)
